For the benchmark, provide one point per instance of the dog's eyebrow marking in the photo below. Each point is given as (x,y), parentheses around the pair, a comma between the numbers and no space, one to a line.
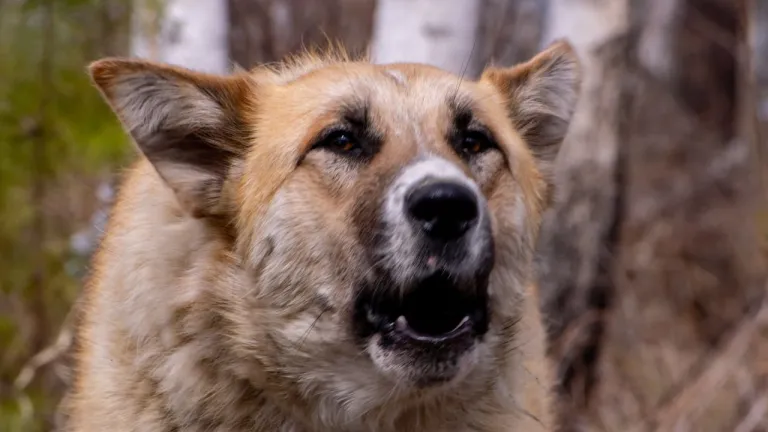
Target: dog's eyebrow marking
(398,76)
(464,116)
(462,110)
(355,115)
(356,112)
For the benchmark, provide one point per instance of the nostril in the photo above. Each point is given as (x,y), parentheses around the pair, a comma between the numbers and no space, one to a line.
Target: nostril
(443,210)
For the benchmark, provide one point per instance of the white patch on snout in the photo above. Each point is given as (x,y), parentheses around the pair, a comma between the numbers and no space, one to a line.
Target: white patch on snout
(401,251)
(433,168)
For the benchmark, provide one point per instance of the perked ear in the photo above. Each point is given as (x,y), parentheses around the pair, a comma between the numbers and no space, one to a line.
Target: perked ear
(541,96)
(186,123)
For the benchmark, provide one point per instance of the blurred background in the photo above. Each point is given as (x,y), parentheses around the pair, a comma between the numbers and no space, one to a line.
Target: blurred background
(651,262)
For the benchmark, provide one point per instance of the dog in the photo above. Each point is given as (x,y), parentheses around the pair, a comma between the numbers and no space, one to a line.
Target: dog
(324,245)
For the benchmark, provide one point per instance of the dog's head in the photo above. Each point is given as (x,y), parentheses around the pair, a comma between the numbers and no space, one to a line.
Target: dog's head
(381,218)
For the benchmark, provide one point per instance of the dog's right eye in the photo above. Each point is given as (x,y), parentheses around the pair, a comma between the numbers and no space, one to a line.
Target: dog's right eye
(341,142)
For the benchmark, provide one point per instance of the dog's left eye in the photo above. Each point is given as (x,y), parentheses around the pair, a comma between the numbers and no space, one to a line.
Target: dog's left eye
(341,142)
(472,143)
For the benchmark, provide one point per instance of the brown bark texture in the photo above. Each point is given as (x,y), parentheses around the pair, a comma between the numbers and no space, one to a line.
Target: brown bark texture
(578,237)
(263,31)
(509,31)
(654,281)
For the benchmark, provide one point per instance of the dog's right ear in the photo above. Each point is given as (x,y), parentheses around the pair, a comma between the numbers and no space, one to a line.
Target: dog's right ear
(189,125)
(541,96)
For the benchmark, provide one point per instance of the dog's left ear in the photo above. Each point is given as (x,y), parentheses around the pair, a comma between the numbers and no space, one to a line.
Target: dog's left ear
(541,96)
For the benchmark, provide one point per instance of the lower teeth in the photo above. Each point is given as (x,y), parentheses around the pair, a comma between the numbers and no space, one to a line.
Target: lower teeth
(461,323)
(401,323)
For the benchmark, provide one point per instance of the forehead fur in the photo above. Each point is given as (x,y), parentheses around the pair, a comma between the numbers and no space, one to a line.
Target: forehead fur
(297,65)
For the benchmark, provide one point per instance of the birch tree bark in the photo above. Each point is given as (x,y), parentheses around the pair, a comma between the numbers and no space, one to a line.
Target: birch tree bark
(442,33)
(509,31)
(189,33)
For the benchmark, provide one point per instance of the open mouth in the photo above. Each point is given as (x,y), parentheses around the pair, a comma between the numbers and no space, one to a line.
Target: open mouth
(437,309)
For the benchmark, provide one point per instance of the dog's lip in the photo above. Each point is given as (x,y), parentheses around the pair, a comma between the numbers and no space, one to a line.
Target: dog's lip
(401,326)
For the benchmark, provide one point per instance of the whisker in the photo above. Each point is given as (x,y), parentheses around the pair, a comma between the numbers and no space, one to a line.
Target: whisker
(312,326)
(464,68)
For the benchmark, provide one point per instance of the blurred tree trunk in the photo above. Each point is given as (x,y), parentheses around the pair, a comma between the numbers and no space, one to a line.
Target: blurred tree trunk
(510,31)
(263,31)
(651,271)
(690,272)
(189,33)
(578,235)
(442,33)
(759,27)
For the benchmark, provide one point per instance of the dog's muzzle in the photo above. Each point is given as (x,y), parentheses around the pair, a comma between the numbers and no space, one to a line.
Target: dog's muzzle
(432,303)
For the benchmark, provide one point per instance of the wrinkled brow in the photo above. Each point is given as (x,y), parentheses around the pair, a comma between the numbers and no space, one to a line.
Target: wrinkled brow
(356,111)
(356,114)
(464,113)
(353,114)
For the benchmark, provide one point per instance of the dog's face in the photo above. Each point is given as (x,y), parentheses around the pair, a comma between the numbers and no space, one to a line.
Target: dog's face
(380,219)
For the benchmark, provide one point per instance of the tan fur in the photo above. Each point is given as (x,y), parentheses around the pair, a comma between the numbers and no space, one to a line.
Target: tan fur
(219,299)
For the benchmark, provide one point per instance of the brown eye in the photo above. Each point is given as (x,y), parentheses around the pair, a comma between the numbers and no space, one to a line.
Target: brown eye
(473,143)
(341,142)
(345,144)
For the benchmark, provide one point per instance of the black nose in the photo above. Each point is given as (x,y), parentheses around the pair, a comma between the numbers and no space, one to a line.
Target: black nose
(444,210)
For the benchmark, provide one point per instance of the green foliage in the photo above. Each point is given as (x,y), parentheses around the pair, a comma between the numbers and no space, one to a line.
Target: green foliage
(57,137)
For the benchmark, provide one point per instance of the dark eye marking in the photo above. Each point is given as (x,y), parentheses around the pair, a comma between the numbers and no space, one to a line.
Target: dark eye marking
(469,137)
(341,142)
(472,143)
(353,137)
